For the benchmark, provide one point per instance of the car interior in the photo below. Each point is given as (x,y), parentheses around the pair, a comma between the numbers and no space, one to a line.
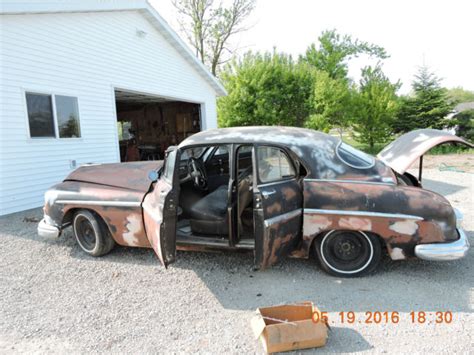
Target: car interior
(206,197)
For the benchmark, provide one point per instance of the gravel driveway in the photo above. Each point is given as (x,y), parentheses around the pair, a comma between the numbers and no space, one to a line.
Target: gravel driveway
(55,299)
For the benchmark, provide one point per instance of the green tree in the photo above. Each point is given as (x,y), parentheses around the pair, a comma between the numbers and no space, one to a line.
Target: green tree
(427,107)
(332,105)
(334,51)
(376,106)
(333,90)
(266,89)
(465,124)
(458,95)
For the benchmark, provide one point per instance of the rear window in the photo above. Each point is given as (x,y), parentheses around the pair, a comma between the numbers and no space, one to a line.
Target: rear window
(354,157)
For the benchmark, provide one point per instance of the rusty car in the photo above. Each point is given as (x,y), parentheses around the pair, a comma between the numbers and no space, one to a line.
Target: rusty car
(276,191)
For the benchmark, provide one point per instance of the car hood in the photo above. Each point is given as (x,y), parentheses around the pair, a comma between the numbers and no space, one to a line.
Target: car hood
(405,150)
(131,176)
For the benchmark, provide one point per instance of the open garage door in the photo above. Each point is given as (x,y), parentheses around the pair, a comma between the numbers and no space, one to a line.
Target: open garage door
(147,124)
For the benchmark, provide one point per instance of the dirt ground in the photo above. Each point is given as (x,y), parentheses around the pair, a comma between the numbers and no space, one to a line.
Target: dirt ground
(55,299)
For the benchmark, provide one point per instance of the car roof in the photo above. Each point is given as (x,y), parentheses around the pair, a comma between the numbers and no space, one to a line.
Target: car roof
(316,150)
(279,135)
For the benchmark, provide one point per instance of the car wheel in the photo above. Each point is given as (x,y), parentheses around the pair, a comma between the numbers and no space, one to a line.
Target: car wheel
(348,253)
(91,233)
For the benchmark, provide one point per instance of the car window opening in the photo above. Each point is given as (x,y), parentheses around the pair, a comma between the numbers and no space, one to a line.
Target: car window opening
(354,157)
(273,165)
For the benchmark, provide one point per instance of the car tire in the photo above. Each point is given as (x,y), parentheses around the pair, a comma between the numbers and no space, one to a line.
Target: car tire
(91,233)
(346,253)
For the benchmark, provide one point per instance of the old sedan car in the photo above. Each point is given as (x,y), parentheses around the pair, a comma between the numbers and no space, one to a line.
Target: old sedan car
(278,191)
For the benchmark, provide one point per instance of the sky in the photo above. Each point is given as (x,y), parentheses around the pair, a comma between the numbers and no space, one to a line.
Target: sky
(439,34)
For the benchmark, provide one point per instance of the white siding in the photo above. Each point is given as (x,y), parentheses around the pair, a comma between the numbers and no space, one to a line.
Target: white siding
(84,55)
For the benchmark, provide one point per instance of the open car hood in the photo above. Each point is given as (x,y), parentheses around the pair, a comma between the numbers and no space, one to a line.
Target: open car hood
(130,176)
(405,150)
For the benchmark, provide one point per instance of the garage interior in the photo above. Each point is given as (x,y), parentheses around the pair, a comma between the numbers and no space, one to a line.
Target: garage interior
(147,125)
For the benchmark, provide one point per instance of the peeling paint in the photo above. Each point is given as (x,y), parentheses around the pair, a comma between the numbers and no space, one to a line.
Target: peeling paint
(397,254)
(134,227)
(361,224)
(314,224)
(405,227)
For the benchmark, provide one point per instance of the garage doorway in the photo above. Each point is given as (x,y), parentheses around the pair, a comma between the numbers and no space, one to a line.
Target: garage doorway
(147,125)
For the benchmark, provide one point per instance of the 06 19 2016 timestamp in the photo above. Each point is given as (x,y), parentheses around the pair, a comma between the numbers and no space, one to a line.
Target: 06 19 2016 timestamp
(386,317)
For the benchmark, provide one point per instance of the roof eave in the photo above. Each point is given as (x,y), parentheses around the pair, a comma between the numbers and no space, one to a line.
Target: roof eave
(19,8)
(184,50)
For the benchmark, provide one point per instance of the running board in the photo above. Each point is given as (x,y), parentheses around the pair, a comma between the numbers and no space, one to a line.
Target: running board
(205,242)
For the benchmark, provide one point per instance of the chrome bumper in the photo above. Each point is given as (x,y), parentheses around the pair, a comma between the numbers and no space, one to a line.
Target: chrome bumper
(444,251)
(47,230)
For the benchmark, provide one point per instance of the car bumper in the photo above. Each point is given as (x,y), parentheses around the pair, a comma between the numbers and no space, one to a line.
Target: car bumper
(444,251)
(47,230)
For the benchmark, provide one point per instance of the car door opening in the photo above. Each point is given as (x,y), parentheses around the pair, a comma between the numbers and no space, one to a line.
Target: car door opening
(147,125)
(210,197)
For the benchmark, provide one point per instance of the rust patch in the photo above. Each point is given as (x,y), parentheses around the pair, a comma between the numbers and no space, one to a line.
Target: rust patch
(274,208)
(289,193)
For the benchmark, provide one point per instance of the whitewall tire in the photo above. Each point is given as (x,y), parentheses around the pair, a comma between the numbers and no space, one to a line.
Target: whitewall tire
(346,253)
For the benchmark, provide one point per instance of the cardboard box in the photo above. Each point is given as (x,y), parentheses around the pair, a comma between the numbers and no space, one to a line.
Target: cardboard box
(289,327)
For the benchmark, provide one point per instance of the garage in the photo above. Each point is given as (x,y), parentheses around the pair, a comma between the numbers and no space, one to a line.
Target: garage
(147,125)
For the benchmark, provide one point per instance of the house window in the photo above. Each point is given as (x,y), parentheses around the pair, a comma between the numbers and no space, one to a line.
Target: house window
(53,116)
(40,115)
(67,114)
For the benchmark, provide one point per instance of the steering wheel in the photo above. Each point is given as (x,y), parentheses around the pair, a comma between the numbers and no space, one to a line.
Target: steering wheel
(197,172)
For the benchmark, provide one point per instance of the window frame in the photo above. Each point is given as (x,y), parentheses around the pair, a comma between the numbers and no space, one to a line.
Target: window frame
(288,156)
(53,95)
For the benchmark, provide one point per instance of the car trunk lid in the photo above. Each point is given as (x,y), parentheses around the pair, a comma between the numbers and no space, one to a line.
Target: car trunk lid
(405,150)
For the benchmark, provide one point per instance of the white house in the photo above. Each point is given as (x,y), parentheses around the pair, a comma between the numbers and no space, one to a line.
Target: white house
(76,76)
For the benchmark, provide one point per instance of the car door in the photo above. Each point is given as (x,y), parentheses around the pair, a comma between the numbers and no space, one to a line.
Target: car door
(277,205)
(160,210)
